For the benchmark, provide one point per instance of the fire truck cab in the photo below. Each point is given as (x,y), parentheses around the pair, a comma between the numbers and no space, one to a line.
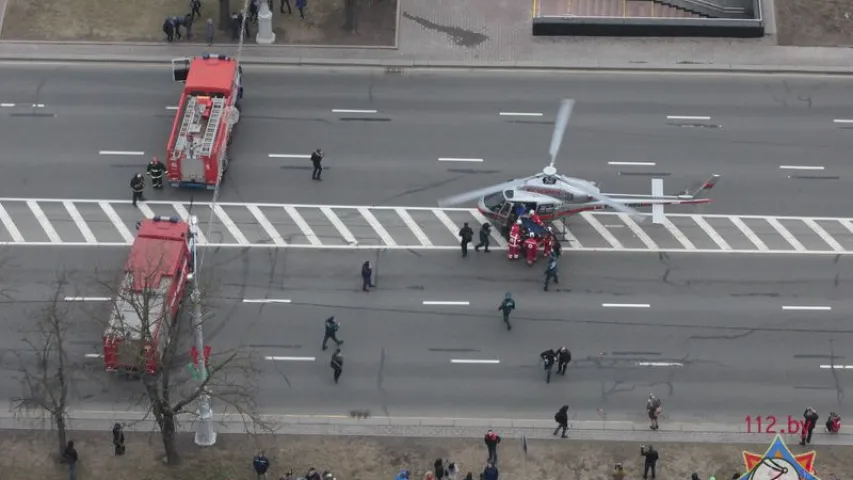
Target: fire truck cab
(149,298)
(209,108)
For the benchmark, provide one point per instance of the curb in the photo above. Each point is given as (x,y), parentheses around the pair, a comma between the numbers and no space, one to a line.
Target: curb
(436,427)
(395,64)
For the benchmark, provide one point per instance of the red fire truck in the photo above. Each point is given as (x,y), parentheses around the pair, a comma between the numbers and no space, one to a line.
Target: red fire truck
(197,152)
(155,277)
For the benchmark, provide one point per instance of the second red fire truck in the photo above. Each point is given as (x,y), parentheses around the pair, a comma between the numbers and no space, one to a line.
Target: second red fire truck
(197,152)
(149,296)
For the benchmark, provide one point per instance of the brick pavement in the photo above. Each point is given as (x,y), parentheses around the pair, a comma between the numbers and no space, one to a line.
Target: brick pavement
(483,33)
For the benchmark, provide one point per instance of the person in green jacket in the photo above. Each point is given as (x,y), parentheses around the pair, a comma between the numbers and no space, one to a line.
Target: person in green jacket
(506,307)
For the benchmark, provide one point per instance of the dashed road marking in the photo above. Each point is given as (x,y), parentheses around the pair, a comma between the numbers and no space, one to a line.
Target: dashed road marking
(289,155)
(659,364)
(633,164)
(87,299)
(626,305)
(120,152)
(290,359)
(474,361)
(266,300)
(441,302)
(344,110)
(837,367)
(520,114)
(807,307)
(456,159)
(801,167)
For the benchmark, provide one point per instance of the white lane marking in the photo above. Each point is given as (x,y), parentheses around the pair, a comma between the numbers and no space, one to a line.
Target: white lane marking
(230,225)
(456,159)
(371,219)
(266,225)
(786,234)
(842,121)
(564,230)
(81,224)
(709,230)
(520,114)
(344,110)
(44,222)
(748,233)
(635,164)
(440,302)
(602,230)
(659,364)
(38,105)
(87,299)
(93,355)
(7,105)
(638,232)
(495,234)
(290,359)
(800,167)
(117,221)
(10,226)
(806,307)
(848,224)
(289,155)
(680,117)
(824,235)
(339,225)
(303,225)
(266,300)
(454,229)
(413,226)
(146,210)
(171,107)
(837,367)
(120,152)
(474,361)
(676,232)
(185,216)
(626,305)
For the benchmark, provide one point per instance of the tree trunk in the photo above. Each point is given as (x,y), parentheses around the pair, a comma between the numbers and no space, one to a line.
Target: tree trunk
(350,20)
(167,432)
(62,435)
(225,15)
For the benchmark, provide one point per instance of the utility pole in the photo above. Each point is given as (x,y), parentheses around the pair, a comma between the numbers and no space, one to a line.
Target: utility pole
(205,434)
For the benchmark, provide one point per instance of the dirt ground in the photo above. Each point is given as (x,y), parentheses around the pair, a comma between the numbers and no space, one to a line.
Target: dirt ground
(142,21)
(814,22)
(28,455)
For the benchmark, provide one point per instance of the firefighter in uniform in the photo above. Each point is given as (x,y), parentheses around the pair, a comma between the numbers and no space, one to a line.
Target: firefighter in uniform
(156,170)
(548,243)
(514,240)
(531,246)
(137,185)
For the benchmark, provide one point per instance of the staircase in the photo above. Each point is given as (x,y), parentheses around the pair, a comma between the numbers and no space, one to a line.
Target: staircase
(626,8)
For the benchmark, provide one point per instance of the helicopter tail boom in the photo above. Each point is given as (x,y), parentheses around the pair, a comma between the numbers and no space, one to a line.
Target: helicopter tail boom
(700,190)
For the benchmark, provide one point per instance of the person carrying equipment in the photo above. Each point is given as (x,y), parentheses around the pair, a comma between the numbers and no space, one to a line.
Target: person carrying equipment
(514,241)
(156,170)
(531,246)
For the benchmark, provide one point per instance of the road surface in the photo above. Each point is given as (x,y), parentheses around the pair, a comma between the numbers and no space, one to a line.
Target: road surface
(57,120)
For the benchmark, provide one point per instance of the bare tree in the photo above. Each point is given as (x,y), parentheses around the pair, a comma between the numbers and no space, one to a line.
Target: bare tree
(153,341)
(46,368)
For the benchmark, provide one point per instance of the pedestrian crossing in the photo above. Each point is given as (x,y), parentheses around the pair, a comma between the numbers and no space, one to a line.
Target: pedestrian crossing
(64,222)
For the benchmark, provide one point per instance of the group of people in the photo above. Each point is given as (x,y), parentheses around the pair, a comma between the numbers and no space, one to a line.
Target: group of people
(560,357)
(155,171)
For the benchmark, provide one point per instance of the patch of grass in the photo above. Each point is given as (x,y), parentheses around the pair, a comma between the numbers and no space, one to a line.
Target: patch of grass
(814,22)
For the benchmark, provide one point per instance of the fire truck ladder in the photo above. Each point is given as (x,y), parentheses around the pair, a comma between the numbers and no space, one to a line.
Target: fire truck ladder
(217,109)
(190,124)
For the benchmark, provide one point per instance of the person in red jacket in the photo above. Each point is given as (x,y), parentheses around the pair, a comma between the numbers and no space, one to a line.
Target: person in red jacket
(531,246)
(548,243)
(514,241)
(536,219)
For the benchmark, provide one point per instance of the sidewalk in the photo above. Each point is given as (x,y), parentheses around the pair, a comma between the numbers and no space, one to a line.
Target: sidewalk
(453,34)
(427,427)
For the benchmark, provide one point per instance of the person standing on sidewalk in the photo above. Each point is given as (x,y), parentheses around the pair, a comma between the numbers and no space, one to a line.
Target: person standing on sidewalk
(562,419)
(331,332)
(70,458)
(811,417)
(209,31)
(261,464)
(118,439)
(492,440)
(653,408)
(337,363)
(650,459)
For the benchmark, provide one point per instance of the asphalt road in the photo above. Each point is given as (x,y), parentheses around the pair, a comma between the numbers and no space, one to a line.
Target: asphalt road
(390,158)
(714,343)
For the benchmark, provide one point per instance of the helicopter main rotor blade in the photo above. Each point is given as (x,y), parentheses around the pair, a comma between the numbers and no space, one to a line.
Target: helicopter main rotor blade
(476,194)
(636,215)
(563,116)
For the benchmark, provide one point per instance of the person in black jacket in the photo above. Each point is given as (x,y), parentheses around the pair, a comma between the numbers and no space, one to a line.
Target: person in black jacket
(564,356)
(366,277)
(562,419)
(492,440)
(261,464)
(331,332)
(466,235)
(137,186)
(485,231)
(316,160)
(650,459)
(118,439)
(337,363)
(548,358)
(70,458)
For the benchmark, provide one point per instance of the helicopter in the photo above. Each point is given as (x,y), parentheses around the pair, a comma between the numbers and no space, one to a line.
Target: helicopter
(552,195)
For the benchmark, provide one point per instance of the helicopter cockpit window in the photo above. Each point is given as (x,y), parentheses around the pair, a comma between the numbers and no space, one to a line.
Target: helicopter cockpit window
(549,180)
(494,201)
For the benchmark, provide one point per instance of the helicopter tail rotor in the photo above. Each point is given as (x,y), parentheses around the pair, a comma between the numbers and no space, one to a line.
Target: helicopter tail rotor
(563,116)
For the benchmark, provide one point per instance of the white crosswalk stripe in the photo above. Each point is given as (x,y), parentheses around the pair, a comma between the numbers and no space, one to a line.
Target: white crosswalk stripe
(185,215)
(80,222)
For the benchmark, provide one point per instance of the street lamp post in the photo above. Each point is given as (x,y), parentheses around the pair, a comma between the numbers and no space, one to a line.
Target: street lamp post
(205,434)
